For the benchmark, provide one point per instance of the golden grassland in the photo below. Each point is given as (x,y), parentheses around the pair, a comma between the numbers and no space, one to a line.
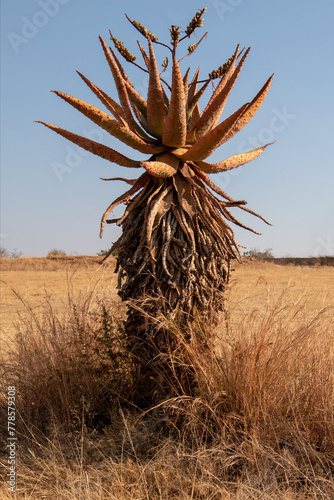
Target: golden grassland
(261,424)
(34,280)
(253,284)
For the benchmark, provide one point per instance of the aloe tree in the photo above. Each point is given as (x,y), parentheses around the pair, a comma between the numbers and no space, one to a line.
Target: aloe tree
(176,245)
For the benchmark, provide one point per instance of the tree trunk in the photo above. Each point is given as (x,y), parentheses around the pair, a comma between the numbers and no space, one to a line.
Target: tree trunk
(174,257)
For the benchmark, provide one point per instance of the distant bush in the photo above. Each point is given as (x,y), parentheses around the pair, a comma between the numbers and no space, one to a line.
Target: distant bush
(14,254)
(4,252)
(256,254)
(306,261)
(55,252)
(104,253)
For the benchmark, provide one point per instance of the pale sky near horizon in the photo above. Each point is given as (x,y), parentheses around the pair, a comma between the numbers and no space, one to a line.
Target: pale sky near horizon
(51,194)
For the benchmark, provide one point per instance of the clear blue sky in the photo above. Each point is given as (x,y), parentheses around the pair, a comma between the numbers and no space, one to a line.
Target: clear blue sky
(291,184)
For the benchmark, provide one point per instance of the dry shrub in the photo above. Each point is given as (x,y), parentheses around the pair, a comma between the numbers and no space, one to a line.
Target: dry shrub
(64,365)
(264,394)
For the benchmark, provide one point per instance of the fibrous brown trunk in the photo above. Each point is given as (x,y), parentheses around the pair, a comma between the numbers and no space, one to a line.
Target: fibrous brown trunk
(174,257)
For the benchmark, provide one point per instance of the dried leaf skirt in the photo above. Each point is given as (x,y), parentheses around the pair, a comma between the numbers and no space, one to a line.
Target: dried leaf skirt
(175,250)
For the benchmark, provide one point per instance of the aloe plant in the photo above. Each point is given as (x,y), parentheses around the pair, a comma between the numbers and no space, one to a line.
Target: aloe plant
(176,245)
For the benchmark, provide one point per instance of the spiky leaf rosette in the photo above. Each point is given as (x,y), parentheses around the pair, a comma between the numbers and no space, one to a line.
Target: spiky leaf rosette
(176,245)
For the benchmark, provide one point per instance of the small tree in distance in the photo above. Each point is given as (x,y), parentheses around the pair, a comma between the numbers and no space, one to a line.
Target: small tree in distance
(56,252)
(13,254)
(256,254)
(4,252)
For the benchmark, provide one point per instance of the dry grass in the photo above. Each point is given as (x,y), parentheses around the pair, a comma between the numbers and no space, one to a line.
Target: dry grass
(261,424)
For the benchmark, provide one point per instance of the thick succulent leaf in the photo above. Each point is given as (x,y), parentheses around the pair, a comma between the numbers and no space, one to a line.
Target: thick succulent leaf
(186,87)
(166,99)
(193,85)
(112,126)
(165,165)
(156,111)
(143,130)
(141,182)
(232,162)
(253,106)
(191,106)
(145,56)
(195,114)
(205,146)
(175,128)
(158,169)
(95,147)
(143,122)
(212,113)
(136,98)
(186,80)
(179,152)
(192,120)
(120,85)
(113,106)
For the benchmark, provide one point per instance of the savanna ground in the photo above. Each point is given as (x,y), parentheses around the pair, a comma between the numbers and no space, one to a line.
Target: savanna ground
(260,426)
